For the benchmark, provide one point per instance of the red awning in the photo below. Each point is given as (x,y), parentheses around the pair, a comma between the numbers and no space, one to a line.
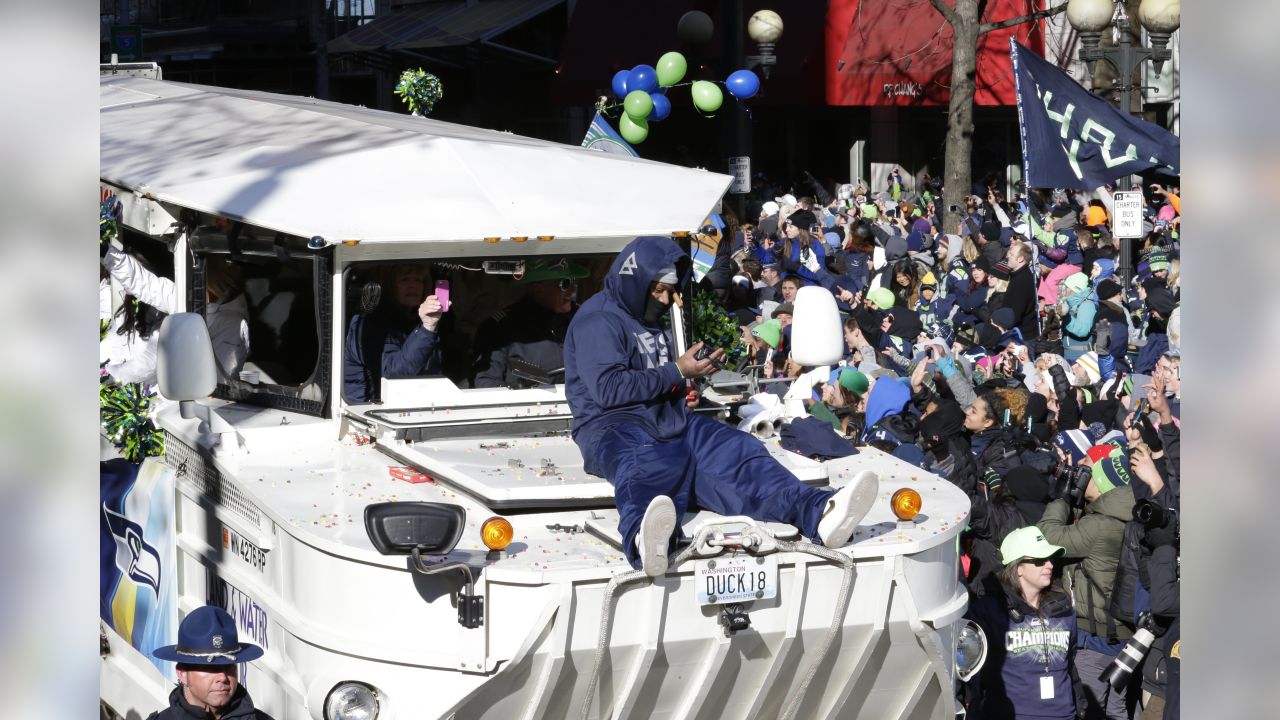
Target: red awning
(898,52)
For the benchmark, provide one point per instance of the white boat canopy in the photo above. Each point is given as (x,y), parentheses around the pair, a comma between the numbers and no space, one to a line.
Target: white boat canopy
(310,167)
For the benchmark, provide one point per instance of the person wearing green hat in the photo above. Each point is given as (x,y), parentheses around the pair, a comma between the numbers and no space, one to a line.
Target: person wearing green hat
(1078,312)
(532,330)
(841,398)
(1030,628)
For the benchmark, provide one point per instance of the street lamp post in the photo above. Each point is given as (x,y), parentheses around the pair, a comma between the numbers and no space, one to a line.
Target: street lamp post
(764,28)
(1161,19)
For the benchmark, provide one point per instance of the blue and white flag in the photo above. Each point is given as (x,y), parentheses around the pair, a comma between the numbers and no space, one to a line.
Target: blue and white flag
(601,136)
(1074,139)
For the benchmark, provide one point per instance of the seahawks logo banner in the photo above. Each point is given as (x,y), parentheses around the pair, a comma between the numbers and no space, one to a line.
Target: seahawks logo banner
(1074,139)
(601,136)
(138,555)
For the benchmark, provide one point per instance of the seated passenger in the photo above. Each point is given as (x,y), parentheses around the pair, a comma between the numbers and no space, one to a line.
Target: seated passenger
(225,312)
(532,330)
(394,337)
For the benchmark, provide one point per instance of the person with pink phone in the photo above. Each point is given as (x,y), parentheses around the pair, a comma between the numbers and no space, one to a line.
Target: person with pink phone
(393,337)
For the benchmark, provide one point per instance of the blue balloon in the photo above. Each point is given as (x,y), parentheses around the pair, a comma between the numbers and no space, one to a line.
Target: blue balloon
(661,107)
(620,83)
(742,84)
(643,77)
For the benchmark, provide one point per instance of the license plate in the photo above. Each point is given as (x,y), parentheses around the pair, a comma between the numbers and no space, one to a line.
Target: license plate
(736,578)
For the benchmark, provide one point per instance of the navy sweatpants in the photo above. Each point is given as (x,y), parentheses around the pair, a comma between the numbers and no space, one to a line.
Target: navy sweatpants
(713,465)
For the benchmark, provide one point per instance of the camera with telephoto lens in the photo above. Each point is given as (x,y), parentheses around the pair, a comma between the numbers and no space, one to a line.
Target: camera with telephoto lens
(1159,524)
(1154,515)
(1069,483)
(1117,673)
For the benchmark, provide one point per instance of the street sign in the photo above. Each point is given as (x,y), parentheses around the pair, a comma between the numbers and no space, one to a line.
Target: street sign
(126,42)
(740,167)
(1127,219)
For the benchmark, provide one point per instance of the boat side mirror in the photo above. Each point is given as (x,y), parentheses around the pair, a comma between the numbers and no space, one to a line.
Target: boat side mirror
(400,528)
(185,366)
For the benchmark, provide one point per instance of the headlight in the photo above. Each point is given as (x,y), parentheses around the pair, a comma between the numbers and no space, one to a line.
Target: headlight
(971,650)
(351,701)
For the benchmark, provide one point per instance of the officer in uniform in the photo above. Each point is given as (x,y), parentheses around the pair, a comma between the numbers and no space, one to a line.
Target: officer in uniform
(208,654)
(533,329)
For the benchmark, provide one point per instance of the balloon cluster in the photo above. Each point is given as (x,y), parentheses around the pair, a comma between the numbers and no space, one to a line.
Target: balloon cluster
(420,90)
(643,88)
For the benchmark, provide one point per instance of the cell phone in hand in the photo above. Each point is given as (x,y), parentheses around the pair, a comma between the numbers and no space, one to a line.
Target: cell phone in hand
(442,294)
(705,352)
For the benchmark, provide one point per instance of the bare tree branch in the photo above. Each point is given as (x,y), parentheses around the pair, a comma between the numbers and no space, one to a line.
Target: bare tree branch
(988,27)
(947,11)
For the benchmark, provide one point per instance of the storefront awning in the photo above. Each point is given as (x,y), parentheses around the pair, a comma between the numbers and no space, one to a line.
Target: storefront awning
(481,21)
(440,24)
(898,52)
(396,27)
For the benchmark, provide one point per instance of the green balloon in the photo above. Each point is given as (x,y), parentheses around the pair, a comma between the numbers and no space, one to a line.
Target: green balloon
(671,68)
(638,104)
(707,96)
(633,130)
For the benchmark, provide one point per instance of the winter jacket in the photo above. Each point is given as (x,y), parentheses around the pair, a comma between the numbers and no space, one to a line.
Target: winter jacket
(968,303)
(1092,553)
(131,359)
(1021,298)
(525,331)
(1078,322)
(1149,354)
(1025,645)
(618,369)
(401,352)
(239,708)
(1049,285)
(992,517)
(795,263)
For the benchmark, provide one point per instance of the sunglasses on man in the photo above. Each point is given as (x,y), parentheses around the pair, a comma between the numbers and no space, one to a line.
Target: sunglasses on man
(1038,562)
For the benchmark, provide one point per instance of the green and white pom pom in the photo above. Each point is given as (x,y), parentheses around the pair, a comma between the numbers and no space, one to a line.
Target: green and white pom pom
(125,418)
(108,222)
(420,89)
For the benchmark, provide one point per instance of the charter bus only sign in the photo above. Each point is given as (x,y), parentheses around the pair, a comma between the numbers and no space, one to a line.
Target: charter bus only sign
(1074,139)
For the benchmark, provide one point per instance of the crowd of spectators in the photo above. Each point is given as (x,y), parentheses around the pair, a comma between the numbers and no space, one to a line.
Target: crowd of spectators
(1006,354)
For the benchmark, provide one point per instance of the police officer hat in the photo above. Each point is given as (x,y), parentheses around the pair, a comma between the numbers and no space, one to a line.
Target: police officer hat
(208,637)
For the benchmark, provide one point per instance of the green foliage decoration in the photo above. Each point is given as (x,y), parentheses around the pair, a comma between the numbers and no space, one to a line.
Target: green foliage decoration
(420,90)
(716,327)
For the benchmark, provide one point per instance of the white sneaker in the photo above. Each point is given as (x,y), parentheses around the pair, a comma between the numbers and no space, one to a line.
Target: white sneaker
(655,535)
(846,509)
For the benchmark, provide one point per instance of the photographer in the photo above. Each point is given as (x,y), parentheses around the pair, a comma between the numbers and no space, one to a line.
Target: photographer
(1089,522)
(1146,589)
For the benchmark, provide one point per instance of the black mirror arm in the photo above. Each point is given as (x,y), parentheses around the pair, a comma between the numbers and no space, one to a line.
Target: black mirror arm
(470,605)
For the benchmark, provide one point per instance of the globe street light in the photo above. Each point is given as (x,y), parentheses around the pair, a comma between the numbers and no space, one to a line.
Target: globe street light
(1161,19)
(764,28)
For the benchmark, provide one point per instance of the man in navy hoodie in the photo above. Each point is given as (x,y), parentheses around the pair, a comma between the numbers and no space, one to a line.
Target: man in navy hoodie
(627,395)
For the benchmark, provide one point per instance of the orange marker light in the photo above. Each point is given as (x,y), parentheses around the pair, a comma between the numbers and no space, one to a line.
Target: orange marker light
(520,238)
(350,243)
(906,504)
(496,533)
(546,238)
(491,239)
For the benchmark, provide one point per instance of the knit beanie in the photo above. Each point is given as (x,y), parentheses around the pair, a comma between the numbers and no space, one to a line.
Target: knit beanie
(1088,362)
(1111,472)
(1108,289)
(1076,282)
